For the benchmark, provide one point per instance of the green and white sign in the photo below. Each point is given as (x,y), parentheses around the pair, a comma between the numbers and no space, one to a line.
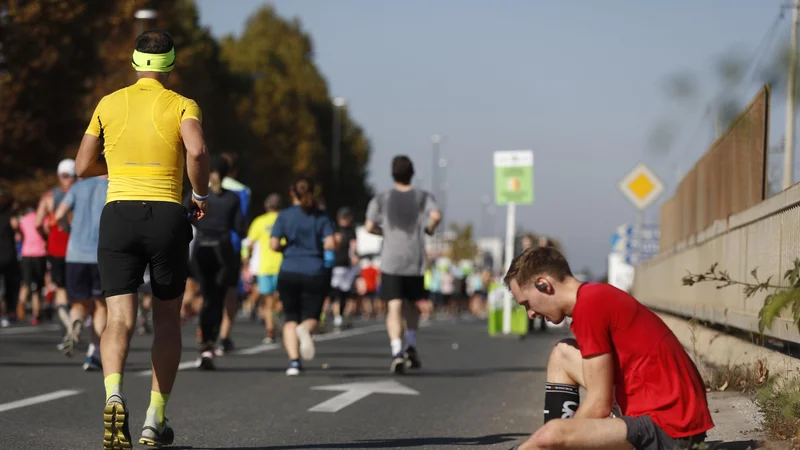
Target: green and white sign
(513,177)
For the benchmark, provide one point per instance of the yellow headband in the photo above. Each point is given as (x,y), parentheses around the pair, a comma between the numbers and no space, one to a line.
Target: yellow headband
(147,62)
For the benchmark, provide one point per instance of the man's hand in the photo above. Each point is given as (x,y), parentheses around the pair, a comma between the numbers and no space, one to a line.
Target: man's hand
(373,228)
(198,208)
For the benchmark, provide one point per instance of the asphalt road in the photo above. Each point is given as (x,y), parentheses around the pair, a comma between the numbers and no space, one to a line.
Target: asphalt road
(472,391)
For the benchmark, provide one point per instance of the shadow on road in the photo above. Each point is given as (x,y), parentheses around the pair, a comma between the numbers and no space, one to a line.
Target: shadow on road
(451,373)
(733,445)
(372,372)
(359,355)
(387,443)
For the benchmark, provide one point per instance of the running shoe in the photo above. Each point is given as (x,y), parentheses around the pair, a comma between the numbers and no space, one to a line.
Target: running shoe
(71,339)
(4,322)
(115,422)
(206,360)
(63,344)
(307,350)
(225,346)
(92,363)
(154,435)
(412,358)
(398,364)
(268,340)
(294,369)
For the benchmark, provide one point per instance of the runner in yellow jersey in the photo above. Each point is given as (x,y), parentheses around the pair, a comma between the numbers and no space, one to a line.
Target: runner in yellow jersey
(270,260)
(143,130)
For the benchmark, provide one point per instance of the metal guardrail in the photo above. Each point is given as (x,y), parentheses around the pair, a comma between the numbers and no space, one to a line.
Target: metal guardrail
(765,236)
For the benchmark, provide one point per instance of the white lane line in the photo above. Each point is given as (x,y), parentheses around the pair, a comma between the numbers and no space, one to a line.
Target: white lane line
(38,399)
(269,347)
(319,338)
(25,330)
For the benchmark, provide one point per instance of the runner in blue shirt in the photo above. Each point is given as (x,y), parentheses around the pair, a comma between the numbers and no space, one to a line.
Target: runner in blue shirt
(86,200)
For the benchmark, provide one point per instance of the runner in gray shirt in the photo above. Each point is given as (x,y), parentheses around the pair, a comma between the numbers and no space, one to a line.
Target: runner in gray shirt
(401,215)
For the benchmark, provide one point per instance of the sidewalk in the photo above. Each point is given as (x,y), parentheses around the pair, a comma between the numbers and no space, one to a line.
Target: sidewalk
(737,422)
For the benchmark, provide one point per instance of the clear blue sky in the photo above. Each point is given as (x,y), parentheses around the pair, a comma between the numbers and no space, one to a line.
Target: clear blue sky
(581,83)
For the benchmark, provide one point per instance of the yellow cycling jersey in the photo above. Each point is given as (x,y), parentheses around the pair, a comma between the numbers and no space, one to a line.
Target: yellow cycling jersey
(141,127)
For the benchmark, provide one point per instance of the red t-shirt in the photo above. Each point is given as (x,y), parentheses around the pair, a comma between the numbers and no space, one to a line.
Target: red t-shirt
(653,374)
(57,237)
(370,275)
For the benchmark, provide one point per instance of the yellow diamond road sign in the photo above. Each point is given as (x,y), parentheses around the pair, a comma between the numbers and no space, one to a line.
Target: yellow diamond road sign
(641,186)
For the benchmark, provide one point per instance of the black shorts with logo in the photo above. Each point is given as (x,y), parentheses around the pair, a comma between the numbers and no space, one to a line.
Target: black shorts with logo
(403,287)
(134,234)
(83,282)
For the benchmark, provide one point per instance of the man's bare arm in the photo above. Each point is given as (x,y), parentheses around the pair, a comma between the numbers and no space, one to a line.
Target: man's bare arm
(373,228)
(598,374)
(88,163)
(197,159)
(42,211)
(433,221)
(61,211)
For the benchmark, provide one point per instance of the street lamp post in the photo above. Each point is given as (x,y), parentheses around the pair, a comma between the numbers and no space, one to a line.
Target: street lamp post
(443,188)
(142,17)
(435,140)
(336,157)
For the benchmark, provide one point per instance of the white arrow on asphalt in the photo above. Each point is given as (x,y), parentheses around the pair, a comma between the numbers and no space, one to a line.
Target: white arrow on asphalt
(353,392)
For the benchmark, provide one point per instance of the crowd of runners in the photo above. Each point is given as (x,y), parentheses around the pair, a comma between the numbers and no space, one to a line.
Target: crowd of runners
(43,282)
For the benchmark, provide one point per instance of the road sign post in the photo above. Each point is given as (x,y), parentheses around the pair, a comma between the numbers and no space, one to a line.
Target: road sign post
(642,187)
(513,185)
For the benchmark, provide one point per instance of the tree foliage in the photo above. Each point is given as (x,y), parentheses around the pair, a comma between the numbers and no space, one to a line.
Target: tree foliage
(462,244)
(261,94)
(779,299)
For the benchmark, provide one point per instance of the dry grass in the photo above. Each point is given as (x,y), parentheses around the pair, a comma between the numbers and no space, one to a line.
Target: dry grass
(779,402)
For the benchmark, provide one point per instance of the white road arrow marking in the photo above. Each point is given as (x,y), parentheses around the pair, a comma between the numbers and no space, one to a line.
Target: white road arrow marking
(353,392)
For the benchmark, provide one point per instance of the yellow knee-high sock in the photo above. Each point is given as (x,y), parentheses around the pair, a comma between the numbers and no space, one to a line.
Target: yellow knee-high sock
(158,405)
(113,384)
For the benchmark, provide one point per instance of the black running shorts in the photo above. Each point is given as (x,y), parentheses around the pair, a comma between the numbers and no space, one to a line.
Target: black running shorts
(33,271)
(302,295)
(58,271)
(83,282)
(134,234)
(403,287)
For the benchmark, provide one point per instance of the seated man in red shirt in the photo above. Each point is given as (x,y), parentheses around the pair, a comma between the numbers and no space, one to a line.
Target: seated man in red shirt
(621,349)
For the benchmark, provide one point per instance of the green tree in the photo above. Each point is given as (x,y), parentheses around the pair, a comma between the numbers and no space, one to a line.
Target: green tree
(49,47)
(462,244)
(261,94)
(289,111)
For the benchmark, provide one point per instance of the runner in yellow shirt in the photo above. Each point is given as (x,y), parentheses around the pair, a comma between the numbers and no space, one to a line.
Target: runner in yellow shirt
(148,135)
(270,264)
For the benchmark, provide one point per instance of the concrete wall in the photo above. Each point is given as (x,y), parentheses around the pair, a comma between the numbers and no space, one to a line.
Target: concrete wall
(766,237)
